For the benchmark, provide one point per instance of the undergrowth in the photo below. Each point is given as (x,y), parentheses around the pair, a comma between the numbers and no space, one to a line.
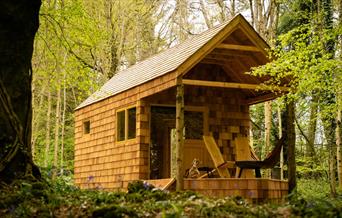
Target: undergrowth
(61,199)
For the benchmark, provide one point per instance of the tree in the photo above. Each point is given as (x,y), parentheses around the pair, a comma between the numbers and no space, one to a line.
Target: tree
(328,97)
(80,44)
(308,50)
(19,23)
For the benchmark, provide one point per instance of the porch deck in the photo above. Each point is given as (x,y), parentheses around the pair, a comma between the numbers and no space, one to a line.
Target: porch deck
(252,189)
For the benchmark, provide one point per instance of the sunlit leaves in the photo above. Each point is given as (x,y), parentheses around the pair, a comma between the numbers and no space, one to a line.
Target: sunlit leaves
(301,58)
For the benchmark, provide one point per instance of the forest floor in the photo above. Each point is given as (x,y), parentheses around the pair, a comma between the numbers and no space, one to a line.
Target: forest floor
(61,199)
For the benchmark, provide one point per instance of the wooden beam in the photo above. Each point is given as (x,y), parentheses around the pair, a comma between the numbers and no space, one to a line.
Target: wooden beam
(218,57)
(236,77)
(261,98)
(239,47)
(247,69)
(230,85)
(211,61)
(254,37)
(179,134)
(230,53)
(209,46)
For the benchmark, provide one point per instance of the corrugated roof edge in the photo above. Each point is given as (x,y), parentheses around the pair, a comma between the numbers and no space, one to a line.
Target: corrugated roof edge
(222,26)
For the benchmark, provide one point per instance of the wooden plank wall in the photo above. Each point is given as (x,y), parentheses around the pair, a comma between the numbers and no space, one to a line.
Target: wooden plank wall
(100,161)
(228,117)
(228,114)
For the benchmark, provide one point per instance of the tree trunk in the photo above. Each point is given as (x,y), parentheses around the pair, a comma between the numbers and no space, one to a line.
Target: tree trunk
(268,126)
(57,123)
(289,130)
(233,8)
(33,126)
(282,148)
(204,11)
(222,6)
(272,21)
(256,14)
(252,12)
(18,25)
(35,118)
(63,123)
(339,118)
(329,130)
(329,98)
(260,22)
(181,7)
(339,149)
(47,137)
(310,148)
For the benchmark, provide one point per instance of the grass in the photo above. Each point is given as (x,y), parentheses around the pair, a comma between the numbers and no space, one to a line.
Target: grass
(61,199)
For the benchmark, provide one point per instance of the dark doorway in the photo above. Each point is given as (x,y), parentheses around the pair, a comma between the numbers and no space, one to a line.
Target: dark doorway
(163,119)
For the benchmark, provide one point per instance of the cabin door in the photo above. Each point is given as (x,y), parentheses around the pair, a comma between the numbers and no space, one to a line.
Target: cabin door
(163,120)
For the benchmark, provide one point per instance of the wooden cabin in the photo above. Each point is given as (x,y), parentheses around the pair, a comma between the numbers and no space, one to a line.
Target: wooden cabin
(123,131)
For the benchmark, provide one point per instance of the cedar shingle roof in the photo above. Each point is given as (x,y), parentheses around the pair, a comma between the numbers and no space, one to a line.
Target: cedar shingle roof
(153,67)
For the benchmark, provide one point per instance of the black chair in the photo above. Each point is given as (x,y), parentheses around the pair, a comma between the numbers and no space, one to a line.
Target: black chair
(270,161)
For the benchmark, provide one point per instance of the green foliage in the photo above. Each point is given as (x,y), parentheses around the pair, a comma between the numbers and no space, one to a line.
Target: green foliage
(80,45)
(314,188)
(308,168)
(302,60)
(61,199)
(316,207)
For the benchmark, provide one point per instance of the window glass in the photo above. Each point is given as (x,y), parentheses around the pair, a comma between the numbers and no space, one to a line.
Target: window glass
(120,125)
(131,123)
(193,122)
(86,127)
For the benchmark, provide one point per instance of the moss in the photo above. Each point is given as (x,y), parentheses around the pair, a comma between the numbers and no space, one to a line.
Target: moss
(114,211)
(59,199)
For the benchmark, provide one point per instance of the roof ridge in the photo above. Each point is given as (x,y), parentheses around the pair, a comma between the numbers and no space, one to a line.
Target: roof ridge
(174,47)
(154,66)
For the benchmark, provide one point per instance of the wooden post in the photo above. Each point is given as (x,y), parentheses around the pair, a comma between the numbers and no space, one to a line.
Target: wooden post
(173,153)
(179,133)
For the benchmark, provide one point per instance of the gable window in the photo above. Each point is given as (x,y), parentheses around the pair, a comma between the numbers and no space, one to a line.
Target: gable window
(126,124)
(86,127)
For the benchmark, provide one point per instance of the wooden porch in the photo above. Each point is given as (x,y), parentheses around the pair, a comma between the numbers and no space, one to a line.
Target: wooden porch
(254,190)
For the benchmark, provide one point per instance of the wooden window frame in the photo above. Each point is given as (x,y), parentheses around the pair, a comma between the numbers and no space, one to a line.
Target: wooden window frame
(126,124)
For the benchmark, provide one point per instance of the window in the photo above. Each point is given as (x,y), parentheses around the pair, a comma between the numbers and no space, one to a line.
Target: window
(193,122)
(86,127)
(121,125)
(126,124)
(132,118)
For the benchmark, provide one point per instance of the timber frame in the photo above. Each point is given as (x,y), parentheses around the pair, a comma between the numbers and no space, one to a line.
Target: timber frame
(206,71)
